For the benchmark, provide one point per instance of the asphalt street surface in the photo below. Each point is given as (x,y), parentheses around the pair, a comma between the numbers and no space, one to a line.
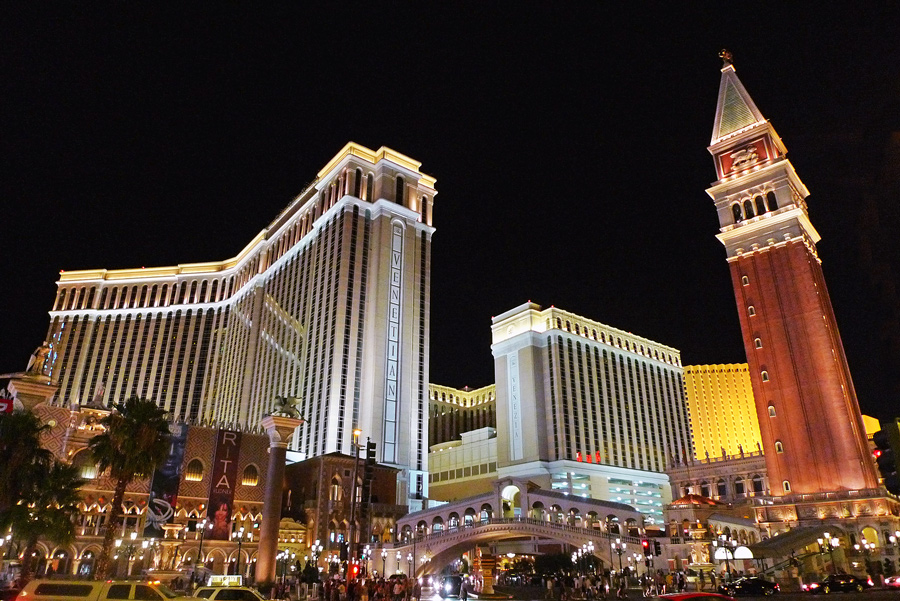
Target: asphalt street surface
(535,594)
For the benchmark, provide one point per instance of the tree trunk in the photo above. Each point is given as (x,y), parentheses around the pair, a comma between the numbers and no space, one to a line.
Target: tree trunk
(28,562)
(112,528)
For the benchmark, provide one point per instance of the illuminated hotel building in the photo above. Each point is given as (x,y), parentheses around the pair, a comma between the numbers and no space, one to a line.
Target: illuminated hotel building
(587,409)
(721,409)
(453,411)
(329,303)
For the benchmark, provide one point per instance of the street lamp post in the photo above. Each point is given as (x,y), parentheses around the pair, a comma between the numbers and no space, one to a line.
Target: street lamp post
(383,562)
(727,544)
(409,560)
(867,548)
(202,525)
(128,551)
(240,535)
(149,547)
(399,559)
(316,550)
(619,548)
(829,544)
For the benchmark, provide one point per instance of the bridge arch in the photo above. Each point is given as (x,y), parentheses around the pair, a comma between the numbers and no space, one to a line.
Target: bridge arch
(511,499)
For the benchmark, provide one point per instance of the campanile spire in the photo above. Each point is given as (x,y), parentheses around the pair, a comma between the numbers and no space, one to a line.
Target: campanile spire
(809,417)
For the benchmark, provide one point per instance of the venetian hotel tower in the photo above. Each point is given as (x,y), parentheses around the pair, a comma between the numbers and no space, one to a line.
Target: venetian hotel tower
(809,418)
(329,303)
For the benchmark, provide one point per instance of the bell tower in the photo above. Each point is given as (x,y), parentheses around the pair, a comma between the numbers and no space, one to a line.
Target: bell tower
(809,417)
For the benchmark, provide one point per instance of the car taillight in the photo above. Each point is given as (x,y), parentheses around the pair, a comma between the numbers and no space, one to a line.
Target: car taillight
(870,582)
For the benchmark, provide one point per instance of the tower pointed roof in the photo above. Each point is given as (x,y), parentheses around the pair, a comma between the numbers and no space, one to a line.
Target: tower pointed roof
(735,109)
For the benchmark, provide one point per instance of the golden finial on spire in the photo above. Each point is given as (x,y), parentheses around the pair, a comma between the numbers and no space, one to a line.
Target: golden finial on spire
(726,57)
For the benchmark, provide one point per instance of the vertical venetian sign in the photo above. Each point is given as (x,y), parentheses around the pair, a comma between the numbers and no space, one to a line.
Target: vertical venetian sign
(392,372)
(164,486)
(515,406)
(224,475)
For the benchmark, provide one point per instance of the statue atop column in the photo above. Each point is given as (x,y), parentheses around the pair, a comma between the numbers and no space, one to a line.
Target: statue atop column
(286,406)
(38,364)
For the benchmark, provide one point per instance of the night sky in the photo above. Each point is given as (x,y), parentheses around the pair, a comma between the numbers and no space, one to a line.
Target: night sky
(568,140)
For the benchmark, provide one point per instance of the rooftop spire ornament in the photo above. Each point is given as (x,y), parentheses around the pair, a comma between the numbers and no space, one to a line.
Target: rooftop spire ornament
(726,56)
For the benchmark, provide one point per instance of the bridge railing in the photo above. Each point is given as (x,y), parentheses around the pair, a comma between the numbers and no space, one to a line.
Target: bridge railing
(585,532)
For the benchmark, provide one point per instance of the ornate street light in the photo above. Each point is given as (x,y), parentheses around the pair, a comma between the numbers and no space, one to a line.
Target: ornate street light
(128,551)
(149,547)
(829,544)
(203,525)
(867,548)
(383,562)
(409,560)
(316,550)
(619,547)
(727,544)
(240,536)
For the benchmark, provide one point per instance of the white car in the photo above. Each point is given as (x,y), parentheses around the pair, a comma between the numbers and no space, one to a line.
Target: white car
(228,593)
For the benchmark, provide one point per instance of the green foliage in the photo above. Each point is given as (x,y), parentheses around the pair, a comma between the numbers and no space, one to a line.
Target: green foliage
(39,494)
(135,442)
(22,459)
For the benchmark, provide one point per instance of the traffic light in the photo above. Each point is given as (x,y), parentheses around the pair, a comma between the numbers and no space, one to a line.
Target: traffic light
(345,551)
(370,459)
(645,545)
(886,458)
(354,570)
(657,549)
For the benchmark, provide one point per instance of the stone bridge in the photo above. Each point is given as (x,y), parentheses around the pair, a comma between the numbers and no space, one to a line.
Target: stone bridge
(516,510)
(431,552)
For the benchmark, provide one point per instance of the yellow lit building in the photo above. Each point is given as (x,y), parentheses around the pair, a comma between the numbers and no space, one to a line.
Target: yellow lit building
(721,409)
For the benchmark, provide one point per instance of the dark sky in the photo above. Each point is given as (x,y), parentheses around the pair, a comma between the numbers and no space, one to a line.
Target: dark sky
(568,140)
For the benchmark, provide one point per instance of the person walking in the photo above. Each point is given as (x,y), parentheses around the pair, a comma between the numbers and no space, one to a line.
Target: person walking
(463,591)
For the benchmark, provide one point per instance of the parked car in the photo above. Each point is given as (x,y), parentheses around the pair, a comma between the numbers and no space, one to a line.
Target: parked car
(228,593)
(751,586)
(892,582)
(87,590)
(699,596)
(839,582)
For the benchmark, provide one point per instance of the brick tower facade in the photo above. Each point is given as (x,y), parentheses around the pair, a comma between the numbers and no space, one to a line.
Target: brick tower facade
(809,417)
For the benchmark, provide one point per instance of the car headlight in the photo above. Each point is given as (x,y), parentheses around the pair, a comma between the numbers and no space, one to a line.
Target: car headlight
(814,585)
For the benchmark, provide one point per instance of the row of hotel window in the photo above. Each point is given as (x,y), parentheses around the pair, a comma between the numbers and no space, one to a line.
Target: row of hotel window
(615,341)
(125,297)
(751,208)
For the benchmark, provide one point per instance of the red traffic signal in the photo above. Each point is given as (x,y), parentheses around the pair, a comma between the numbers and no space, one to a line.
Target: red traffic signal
(354,570)
(646,545)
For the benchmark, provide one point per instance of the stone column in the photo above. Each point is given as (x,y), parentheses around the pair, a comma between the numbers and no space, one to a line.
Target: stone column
(280,429)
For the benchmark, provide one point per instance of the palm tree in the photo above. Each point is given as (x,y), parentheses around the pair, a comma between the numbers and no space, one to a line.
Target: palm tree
(22,459)
(48,511)
(136,440)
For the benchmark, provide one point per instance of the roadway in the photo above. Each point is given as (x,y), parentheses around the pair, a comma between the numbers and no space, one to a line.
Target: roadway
(527,593)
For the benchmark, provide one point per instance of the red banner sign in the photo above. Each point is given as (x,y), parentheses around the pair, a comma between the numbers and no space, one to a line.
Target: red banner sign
(224,475)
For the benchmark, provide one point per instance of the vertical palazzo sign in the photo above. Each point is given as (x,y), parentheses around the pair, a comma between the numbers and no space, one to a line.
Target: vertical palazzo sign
(515,406)
(224,474)
(392,371)
(164,487)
